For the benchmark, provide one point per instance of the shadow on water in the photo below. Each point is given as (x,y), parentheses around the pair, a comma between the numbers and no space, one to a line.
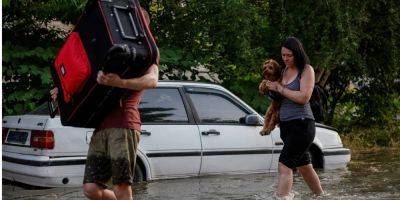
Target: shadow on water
(370,175)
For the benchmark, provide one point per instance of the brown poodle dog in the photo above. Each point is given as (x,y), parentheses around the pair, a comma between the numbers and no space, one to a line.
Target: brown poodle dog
(271,72)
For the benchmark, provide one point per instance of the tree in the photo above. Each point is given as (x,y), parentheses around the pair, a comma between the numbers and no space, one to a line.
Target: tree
(224,36)
(30,43)
(329,31)
(379,48)
(350,43)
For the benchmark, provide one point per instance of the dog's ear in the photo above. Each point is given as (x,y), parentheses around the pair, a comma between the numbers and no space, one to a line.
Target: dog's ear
(266,63)
(265,72)
(277,67)
(262,88)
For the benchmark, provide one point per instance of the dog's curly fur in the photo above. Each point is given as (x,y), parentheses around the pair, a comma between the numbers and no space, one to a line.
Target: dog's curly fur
(271,72)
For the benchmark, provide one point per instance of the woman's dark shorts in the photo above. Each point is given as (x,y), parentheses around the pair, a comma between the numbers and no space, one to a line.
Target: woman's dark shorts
(297,136)
(111,156)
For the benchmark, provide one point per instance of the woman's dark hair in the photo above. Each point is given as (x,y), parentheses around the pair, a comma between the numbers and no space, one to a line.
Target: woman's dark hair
(300,57)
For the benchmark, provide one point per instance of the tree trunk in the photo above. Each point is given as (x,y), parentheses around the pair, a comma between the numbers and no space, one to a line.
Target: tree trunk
(321,76)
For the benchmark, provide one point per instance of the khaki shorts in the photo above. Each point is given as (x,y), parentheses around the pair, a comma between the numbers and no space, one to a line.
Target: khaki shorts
(112,156)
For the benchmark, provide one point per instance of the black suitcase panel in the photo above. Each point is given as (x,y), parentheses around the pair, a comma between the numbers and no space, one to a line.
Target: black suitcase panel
(116,39)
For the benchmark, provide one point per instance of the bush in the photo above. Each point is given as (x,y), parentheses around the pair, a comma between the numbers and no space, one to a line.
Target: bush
(356,134)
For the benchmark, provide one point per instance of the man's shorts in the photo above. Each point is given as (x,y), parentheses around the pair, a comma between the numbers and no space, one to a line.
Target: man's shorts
(112,155)
(297,136)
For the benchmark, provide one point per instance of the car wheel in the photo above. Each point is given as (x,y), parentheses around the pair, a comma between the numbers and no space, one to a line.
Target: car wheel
(317,159)
(139,176)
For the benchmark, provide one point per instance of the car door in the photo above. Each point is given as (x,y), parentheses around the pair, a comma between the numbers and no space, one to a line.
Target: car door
(229,146)
(170,138)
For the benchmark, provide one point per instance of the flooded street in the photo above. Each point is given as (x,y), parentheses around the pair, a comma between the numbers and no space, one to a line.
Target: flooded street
(370,175)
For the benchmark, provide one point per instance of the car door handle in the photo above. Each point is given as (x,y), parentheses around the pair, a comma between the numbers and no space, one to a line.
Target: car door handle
(212,131)
(144,132)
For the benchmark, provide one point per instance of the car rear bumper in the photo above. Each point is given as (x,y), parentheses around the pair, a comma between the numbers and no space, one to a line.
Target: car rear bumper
(43,171)
(336,157)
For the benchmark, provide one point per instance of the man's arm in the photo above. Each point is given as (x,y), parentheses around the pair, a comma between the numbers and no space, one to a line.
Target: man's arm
(149,80)
(53,93)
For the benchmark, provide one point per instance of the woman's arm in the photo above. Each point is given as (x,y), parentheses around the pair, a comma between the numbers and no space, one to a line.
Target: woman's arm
(149,80)
(307,82)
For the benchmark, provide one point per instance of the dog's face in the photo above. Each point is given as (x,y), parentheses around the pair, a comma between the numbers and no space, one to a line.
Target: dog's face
(271,70)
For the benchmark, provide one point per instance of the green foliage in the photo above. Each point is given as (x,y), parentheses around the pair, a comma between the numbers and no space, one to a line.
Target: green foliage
(379,48)
(329,31)
(224,36)
(356,42)
(29,47)
(372,136)
(347,120)
(26,76)
(42,10)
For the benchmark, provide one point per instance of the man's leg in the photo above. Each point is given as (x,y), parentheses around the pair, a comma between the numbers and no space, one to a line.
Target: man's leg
(123,191)
(97,168)
(123,146)
(93,191)
(311,178)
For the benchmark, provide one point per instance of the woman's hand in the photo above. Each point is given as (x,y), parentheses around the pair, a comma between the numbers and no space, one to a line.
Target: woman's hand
(262,88)
(274,86)
(53,93)
(109,79)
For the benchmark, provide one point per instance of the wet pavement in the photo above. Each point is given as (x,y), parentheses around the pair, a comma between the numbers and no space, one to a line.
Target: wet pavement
(370,175)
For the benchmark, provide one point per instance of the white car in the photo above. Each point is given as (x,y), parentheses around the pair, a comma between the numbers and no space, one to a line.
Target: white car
(189,129)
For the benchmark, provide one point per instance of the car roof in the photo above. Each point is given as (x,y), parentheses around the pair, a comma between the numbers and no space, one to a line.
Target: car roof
(165,83)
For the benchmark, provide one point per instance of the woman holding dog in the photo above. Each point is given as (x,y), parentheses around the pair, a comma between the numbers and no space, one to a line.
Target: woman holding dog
(297,125)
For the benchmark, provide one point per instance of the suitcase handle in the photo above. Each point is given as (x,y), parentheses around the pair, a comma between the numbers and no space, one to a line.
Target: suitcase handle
(135,30)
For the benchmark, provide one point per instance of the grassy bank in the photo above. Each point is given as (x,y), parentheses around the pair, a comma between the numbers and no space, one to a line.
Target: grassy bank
(369,138)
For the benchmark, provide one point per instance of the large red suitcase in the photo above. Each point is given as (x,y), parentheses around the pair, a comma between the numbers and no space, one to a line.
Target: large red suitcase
(113,36)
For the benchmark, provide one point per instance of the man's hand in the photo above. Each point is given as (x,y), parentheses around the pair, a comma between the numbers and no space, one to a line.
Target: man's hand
(53,93)
(109,79)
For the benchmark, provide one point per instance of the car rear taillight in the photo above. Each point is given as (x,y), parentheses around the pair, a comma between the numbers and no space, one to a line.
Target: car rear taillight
(42,139)
(4,134)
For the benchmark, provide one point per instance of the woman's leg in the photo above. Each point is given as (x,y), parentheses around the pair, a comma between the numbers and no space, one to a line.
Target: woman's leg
(285,181)
(311,178)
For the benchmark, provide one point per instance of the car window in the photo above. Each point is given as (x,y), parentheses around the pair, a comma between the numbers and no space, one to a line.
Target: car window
(41,110)
(162,105)
(216,108)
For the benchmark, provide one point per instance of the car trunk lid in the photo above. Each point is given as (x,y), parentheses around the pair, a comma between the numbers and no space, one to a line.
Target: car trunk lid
(30,122)
(17,132)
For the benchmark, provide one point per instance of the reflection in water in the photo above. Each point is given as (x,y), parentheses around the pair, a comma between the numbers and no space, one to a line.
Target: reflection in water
(370,175)
(210,187)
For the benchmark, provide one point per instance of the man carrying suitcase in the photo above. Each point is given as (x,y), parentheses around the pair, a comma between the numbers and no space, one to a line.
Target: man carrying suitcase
(115,142)
(112,149)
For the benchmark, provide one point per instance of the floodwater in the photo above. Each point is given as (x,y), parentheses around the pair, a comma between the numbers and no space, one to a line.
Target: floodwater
(370,175)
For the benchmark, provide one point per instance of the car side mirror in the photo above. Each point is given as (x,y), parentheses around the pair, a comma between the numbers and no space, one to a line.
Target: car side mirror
(251,120)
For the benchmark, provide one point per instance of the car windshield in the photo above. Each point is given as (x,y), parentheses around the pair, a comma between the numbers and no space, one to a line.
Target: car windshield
(41,110)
